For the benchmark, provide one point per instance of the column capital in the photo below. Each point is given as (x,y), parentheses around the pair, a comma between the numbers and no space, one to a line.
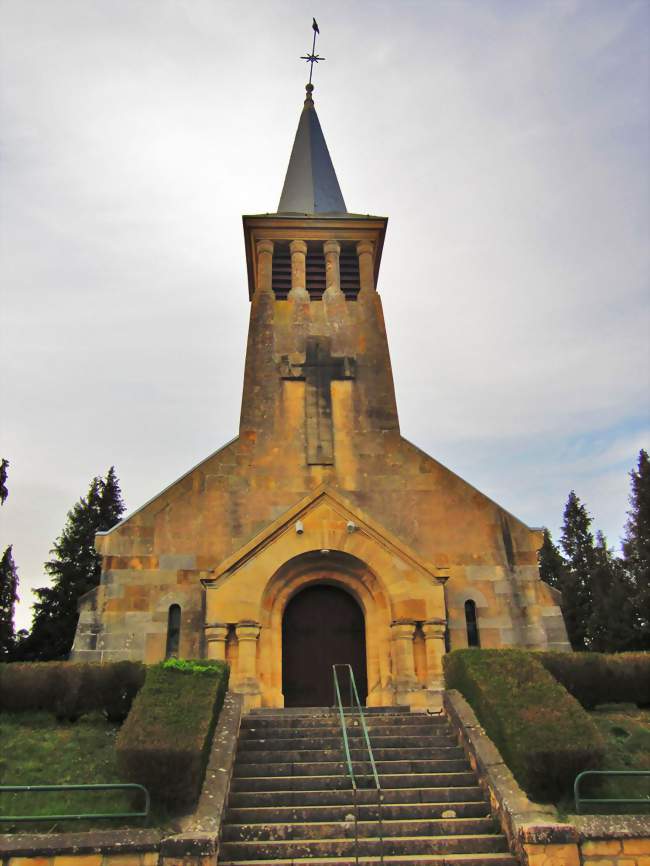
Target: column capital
(247,631)
(403,628)
(298,246)
(332,246)
(434,629)
(365,248)
(264,246)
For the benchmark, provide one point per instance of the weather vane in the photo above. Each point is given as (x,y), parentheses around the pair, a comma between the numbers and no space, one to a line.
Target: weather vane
(313,57)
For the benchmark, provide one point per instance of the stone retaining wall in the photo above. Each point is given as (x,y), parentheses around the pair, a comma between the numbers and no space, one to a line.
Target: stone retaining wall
(615,852)
(535,833)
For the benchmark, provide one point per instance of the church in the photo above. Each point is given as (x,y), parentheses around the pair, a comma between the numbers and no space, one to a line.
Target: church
(319,535)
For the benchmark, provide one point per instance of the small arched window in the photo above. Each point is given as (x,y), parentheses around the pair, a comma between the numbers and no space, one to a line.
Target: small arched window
(472,623)
(173,631)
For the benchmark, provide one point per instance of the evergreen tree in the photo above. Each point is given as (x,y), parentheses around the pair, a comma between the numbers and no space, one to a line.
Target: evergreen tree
(75,569)
(8,599)
(610,624)
(550,562)
(636,549)
(577,544)
(4,465)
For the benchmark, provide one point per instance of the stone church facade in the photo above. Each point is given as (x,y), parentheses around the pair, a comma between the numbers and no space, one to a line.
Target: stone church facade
(319,535)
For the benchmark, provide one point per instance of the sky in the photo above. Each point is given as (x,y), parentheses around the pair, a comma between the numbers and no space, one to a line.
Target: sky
(507,142)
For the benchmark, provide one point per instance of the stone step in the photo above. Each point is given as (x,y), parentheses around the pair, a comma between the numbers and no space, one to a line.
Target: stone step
(340,768)
(393,828)
(410,720)
(357,753)
(389,811)
(266,712)
(345,847)
(422,730)
(379,741)
(484,859)
(470,792)
(324,783)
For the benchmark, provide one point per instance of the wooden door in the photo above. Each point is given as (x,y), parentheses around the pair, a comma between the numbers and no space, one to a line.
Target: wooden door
(322,626)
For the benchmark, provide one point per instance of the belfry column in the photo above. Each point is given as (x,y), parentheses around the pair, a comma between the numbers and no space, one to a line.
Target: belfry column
(298,250)
(332,250)
(402,633)
(365,252)
(247,682)
(434,642)
(264,266)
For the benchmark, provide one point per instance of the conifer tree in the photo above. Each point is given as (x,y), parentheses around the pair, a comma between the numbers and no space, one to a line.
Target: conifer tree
(550,562)
(610,624)
(8,599)
(8,583)
(636,549)
(577,543)
(75,569)
(4,465)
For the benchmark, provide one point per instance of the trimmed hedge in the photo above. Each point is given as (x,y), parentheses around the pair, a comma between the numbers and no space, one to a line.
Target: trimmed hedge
(543,733)
(602,678)
(165,741)
(69,690)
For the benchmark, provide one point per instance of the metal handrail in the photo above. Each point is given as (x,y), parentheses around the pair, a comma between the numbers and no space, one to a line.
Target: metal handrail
(380,794)
(579,800)
(94,815)
(348,758)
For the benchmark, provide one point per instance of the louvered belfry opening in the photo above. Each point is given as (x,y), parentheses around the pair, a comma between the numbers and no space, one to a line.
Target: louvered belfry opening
(315,270)
(349,266)
(281,272)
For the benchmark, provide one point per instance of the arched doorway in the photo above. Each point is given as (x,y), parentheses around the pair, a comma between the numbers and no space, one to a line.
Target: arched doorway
(322,625)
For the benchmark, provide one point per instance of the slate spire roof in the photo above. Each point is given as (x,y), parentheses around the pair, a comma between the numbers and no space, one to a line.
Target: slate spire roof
(310,186)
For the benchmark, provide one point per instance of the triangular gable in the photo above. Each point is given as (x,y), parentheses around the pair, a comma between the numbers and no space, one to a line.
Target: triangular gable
(323,495)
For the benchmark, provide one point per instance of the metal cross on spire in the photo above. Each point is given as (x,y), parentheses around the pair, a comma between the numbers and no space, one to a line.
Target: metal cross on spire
(313,57)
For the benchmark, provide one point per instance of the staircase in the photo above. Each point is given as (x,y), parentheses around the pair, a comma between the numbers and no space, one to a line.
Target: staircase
(291,798)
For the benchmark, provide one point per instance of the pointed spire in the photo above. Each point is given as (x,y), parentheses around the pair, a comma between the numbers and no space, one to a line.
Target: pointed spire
(311,185)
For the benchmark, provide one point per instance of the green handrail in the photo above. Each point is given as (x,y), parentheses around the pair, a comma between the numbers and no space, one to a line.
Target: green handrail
(348,758)
(380,795)
(18,789)
(621,800)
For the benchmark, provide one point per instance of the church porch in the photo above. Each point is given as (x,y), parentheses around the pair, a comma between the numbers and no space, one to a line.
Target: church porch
(323,543)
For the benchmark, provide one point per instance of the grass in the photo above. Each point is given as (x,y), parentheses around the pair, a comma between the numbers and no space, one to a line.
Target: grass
(626,731)
(39,750)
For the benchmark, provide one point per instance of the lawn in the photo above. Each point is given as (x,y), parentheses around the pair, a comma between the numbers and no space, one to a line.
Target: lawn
(39,750)
(626,730)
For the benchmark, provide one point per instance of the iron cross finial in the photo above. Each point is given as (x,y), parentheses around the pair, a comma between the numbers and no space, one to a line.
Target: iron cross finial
(313,57)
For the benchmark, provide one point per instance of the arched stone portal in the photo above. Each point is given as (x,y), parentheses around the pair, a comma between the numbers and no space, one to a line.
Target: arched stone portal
(322,625)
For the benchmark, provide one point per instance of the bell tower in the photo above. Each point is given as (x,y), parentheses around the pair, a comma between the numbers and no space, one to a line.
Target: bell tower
(318,373)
